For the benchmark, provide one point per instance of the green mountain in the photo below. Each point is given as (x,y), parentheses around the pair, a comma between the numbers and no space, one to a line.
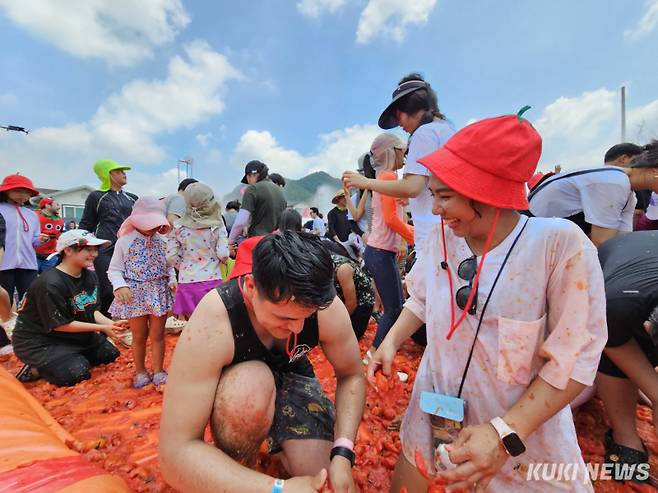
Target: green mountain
(310,190)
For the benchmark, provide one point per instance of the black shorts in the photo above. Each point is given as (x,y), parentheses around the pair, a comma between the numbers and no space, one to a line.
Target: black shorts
(302,411)
(626,317)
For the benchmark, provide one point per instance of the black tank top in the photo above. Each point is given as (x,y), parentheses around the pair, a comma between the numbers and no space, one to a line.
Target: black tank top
(248,346)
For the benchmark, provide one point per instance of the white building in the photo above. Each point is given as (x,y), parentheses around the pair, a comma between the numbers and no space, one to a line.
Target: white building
(72,200)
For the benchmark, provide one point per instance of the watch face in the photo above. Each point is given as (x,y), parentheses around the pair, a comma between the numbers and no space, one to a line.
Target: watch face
(513,444)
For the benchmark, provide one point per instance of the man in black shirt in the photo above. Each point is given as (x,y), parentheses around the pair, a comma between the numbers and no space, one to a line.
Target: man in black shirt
(630,268)
(105,211)
(243,364)
(338,225)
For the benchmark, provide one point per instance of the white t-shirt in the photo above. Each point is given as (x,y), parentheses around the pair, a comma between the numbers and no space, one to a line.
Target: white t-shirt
(318,225)
(603,194)
(425,140)
(545,319)
(363,222)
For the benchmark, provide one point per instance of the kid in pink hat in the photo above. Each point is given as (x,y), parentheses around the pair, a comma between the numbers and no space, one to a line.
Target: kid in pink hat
(148,213)
(142,284)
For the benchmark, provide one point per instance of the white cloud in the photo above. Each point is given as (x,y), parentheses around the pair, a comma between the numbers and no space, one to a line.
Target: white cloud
(7,99)
(647,24)
(390,18)
(122,32)
(577,131)
(337,151)
(125,127)
(203,138)
(314,8)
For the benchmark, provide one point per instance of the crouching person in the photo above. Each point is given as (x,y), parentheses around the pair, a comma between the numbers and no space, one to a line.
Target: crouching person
(242,366)
(60,332)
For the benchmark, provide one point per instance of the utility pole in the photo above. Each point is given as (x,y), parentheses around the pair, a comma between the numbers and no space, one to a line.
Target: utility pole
(188,161)
(623,113)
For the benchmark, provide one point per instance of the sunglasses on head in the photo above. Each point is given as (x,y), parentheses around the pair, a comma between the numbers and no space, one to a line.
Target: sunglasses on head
(466,271)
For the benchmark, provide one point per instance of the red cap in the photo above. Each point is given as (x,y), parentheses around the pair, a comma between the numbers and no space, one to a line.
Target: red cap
(490,161)
(243,259)
(12,182)
(44,202)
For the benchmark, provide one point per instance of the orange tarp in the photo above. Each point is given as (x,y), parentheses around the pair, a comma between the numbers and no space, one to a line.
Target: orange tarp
(34,453)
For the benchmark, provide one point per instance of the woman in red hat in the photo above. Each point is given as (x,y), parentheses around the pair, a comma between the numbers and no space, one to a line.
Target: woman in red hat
(515,327)
(18,267)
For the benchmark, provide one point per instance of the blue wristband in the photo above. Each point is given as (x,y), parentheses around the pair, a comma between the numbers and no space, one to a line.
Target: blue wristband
(277,487)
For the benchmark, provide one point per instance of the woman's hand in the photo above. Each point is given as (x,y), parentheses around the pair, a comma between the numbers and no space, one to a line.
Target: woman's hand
(122,295)
(383,357)
(43,238)
(352,179)
(479,455)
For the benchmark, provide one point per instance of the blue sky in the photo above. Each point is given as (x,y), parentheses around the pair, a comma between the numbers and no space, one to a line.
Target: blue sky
(300,83)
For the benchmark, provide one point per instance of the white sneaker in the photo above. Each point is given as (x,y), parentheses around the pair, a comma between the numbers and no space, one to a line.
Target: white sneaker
(5,350)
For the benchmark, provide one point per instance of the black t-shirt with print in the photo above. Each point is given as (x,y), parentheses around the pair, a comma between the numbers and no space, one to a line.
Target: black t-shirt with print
(56,299)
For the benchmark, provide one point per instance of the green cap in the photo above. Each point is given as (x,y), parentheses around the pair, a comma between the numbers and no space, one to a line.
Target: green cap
(102,169)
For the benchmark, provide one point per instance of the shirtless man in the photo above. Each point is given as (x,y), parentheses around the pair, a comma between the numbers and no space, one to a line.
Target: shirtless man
(241,364)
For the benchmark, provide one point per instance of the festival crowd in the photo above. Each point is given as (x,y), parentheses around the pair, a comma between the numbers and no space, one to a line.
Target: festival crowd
(529,291)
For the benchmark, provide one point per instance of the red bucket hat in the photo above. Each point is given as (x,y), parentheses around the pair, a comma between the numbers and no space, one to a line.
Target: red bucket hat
(12,182)
(490,161)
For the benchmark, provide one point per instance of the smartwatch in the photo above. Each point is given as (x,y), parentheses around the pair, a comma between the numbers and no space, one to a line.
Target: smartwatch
(513,444)
(343,452)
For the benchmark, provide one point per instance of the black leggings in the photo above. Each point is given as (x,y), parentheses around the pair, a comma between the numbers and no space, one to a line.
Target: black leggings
(105,291)
(360,319)
(15,280)
(75,368)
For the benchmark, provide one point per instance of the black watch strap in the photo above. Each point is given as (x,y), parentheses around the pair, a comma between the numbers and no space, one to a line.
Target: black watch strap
(343,452)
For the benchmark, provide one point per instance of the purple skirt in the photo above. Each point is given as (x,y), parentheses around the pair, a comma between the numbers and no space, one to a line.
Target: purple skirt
(189,294)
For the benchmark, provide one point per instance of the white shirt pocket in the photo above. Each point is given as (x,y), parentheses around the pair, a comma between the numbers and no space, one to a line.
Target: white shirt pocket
(517,346)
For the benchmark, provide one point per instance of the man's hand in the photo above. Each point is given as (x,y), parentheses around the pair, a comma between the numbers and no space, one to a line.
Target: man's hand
(352,179)
(479,454)
(306,484)
(340,475)
(233,250)
(122,295)
(43,238)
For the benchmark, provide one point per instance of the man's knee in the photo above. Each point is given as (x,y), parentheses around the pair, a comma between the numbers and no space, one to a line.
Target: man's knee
(244,405)
(104,354)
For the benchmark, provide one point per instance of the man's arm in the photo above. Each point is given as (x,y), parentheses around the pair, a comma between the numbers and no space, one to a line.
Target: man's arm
(187,462)
(341,348)
(89,219)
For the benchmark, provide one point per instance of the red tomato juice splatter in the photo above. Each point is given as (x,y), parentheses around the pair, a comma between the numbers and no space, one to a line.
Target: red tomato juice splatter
(116,426)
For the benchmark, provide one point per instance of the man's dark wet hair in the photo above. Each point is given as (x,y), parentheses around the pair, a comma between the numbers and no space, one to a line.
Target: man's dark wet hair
(623,149)
(277,179)
(186,183)
(233,204)
(290,220)
(290,264)
(422,99)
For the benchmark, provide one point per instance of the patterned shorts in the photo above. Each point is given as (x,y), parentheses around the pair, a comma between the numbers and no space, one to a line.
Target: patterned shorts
(302,411)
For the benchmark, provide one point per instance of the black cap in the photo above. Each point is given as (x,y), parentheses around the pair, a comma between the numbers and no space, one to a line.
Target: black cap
(388,120)
(254,167)
(186,183)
